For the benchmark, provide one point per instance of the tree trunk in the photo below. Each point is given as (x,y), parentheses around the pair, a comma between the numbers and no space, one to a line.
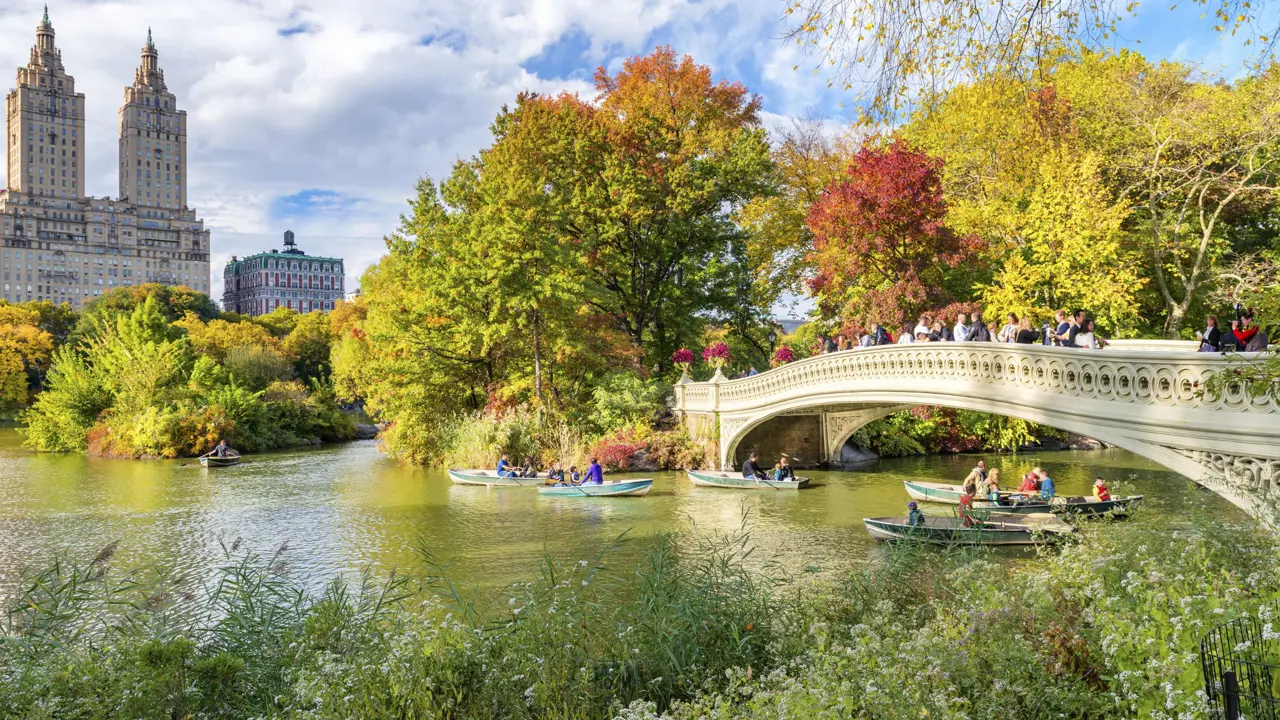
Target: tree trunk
(537,359)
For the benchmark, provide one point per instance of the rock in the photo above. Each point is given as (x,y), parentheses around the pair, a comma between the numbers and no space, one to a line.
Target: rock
(641,462)
(853,455)
(1080,442)
(366,432)
(1052,444)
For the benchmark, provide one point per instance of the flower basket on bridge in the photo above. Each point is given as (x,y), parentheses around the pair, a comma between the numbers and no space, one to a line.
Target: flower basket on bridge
(683,359)
(1241,661)
(717,355)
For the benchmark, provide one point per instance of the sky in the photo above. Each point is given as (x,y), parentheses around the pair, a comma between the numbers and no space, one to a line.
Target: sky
(319,116)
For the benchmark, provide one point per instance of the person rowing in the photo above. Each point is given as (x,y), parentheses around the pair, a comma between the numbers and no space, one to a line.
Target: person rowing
(222,450)
(751,471)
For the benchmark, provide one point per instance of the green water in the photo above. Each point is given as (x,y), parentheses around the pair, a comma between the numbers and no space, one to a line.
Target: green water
(347,507)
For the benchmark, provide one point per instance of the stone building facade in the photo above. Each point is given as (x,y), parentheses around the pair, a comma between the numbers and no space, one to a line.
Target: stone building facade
(62,245)
(260,283)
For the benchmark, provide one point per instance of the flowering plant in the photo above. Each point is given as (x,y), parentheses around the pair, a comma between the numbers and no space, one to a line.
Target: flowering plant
(782,356)
(683,359)
(717,355)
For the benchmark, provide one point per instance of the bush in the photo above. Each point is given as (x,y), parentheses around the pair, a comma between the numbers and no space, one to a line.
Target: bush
(676,450)
(617,451)
(479,439)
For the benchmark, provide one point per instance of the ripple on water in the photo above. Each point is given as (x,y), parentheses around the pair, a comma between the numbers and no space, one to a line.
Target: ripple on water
(347,507)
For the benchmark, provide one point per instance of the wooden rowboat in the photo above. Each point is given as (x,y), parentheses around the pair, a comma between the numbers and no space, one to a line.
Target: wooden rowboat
(210,461)
(1019,505)
(1040,528)
(491,477)
(937,492)
(617,488)
(704,478)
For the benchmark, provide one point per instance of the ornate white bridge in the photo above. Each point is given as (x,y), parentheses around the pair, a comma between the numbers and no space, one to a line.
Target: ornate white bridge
(1143,396)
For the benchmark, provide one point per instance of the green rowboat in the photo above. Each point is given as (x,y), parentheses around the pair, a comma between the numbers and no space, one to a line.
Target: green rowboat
(1062,505)
(952,531)
(210,461)
(937,492)
(617,488)
(490,477)
(705,478)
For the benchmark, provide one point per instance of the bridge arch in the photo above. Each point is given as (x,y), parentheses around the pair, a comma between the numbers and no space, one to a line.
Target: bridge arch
(1142,398)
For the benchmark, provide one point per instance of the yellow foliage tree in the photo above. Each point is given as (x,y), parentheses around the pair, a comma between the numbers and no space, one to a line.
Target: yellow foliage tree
(218,337)
(23,345)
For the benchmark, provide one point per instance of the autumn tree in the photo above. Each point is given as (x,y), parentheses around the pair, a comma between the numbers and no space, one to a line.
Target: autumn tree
(896,55)
(881,242)
(24,347)
(806,159)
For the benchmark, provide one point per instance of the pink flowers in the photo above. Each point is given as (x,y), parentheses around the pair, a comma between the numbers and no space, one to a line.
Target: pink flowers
(782,356)
(683,359)
(717,355)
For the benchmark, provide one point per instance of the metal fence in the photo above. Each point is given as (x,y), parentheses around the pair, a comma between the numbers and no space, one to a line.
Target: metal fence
(1242,670)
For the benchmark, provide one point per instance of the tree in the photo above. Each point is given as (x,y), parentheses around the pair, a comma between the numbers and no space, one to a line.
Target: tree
(806,159)
(1187,151)
(24,347)
(1069,251)
(173,303)
(309,345)
(881,243)
(279,322)
(897,54)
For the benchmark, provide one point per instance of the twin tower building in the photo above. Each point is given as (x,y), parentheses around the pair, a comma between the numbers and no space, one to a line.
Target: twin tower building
(62,245)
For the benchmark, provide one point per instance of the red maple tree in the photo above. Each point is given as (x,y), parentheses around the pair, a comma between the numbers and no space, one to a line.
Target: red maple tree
(881,244)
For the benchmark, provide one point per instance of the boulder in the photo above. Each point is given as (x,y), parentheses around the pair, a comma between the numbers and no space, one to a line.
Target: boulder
(366,432)
(852,455)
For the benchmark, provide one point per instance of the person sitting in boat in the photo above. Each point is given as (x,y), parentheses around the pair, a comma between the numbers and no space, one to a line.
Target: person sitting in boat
(777,472)
(595,474)
(914,516)
(529,469)
(1029,486)
(751,471)
(966,511)
(1100,491)
(975,478)
(504,467)
(788,475)
(992,486)
(575,477)
(555,476)
(1046,484)
(223,450)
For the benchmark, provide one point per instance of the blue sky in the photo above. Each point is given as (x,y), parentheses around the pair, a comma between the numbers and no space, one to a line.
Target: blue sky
(320,116)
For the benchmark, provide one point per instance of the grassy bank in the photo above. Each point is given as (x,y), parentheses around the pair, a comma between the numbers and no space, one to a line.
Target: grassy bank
(1104,628)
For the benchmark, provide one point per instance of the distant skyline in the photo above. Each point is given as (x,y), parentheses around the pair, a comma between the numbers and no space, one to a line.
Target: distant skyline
(320,117)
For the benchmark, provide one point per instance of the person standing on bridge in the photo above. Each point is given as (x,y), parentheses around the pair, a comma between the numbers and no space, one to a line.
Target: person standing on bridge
(960,333)
(1211,338)
(906,337)
(922,327)
(1009,333)
(978,330)
(1026,335)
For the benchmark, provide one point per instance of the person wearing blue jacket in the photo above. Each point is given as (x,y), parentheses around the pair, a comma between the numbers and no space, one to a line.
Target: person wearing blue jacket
(504,467)
(1046,484)
(595,474)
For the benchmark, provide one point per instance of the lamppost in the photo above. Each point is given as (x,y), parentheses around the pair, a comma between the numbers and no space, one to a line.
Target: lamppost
(773,337)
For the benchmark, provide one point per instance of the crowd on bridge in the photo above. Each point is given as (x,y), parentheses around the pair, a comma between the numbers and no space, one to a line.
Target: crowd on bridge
(1071,330)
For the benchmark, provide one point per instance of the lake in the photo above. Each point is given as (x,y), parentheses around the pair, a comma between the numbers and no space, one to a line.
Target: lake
(346,507)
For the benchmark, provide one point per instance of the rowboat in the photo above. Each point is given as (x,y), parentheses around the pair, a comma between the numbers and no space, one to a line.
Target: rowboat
(1020,505)
(735,480)
(937,492)
(491,477)
(1029,530)
(617,488)
(211,461)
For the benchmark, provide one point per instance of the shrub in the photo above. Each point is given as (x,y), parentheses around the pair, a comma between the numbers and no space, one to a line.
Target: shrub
(676,450)
(625,400)
(479,439)
(617,451)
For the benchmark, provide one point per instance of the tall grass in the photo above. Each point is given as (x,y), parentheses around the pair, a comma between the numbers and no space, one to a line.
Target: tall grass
(697,627)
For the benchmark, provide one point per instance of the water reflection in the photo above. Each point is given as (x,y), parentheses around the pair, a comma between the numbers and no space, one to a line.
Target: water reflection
(347,507)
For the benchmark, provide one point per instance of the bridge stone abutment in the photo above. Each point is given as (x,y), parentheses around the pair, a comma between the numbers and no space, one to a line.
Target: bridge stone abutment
(1142,396)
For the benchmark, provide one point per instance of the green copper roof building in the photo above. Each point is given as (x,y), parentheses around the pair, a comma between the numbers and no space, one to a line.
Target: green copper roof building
(258,284)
